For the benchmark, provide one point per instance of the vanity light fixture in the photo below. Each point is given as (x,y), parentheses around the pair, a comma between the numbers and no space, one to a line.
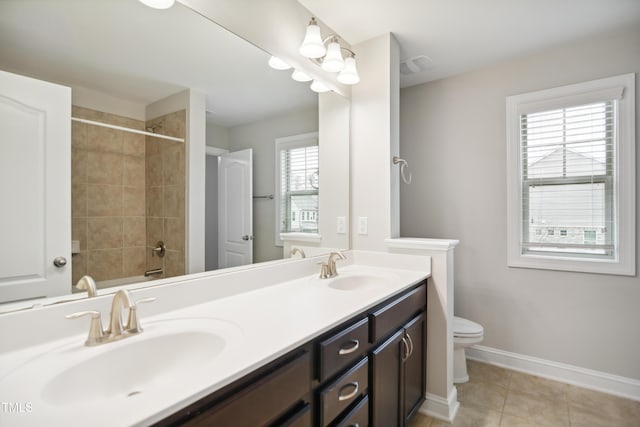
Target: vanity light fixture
(327,53)
(158,4)
(301,76)
(278,64)
(318,86)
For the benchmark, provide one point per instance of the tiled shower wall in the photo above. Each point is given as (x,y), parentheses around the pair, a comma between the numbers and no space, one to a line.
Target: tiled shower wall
(108,197)
(128,192)
(165,192)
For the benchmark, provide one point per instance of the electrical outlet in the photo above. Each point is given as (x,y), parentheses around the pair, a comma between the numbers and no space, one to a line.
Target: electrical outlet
(363,225)
(341,225)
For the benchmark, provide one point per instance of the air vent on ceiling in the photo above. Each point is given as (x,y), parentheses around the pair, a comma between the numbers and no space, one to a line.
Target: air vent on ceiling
(415,64)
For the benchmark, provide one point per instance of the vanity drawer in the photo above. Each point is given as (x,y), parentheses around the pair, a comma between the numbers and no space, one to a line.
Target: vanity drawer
(340,394)
(358,416)
(342,348)
(388,318)
(264,401)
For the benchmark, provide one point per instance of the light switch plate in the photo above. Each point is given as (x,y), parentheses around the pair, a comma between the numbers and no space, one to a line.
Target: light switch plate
(341,225)
(363,226)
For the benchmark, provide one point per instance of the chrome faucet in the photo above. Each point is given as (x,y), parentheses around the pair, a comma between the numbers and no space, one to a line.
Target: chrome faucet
(86,283)
(97,335)
(329,268)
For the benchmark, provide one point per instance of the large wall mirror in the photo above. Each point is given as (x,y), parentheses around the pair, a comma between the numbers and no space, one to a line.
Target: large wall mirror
(134,68)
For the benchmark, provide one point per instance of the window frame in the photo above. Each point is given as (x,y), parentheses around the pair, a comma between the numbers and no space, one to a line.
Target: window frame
(621,87)
(287,143)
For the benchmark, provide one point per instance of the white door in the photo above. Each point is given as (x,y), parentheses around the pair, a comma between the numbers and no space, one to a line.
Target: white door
(235,209)
(35,188)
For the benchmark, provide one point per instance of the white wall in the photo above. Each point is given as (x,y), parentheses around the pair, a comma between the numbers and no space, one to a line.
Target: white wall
(261,136)
(217,136)
(453,132)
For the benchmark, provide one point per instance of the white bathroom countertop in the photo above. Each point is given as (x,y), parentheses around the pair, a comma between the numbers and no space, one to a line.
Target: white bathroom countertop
(262,325)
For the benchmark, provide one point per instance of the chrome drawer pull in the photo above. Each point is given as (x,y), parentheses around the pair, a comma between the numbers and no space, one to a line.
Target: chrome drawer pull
(410,345)
(354,347)
(342,397)
(355,425)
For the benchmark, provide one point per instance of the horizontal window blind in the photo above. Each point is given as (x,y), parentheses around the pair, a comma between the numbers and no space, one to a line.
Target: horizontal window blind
(568,169)
(299,189)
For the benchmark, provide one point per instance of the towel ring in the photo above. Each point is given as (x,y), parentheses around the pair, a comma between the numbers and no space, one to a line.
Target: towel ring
(404,166)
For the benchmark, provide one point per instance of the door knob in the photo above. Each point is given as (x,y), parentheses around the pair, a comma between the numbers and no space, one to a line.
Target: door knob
(60,261)
(246,237)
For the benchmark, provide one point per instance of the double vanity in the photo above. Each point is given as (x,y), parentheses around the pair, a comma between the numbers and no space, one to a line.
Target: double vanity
(271,345)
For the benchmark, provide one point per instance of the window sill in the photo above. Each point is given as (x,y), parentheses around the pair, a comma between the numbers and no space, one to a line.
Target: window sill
(619,267)
(301,237)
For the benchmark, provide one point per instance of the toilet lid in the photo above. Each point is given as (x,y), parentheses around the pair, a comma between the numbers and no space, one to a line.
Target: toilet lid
(466,328)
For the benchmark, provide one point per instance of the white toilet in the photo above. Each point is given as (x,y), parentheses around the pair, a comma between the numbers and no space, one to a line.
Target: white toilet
(465,333)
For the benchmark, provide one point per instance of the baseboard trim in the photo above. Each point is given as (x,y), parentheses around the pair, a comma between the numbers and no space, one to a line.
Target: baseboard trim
(587,378)
(440,408)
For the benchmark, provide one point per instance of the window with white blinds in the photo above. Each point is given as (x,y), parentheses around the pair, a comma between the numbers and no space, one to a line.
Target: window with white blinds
(571,185)
(297,163)
(568,163)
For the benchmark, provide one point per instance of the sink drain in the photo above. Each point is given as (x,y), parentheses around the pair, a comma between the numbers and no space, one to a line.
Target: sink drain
(133,393)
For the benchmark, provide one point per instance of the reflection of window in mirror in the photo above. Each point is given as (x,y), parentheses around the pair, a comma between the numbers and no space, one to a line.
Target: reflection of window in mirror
(297,162)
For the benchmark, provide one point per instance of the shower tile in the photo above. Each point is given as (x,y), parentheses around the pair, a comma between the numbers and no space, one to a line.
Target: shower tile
(153,170)
(104,264)
(135,231)
(154,202)
(79,231)
(134,171)
(134,261)
(153,146)
(174,168)
(155,231)
(104,139)
(79,200)
(104,168)
(174,201)
(104,233)
(78,266)
(134,201)
(78,166)
(104,200)
(153,261)
(79,136)
(174,233)
(174,263)
(134,144)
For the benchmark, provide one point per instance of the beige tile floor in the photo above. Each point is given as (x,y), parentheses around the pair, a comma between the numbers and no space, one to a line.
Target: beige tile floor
(496,397)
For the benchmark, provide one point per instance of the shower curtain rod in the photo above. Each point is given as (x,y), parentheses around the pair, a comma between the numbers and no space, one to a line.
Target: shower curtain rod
(140,132)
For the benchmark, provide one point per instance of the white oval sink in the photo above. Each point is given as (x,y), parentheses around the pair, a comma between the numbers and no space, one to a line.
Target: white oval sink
(357,282)
(167,355)
(129,369)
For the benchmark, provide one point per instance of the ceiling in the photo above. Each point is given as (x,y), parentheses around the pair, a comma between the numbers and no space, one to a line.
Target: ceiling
(461,35)
(135,53)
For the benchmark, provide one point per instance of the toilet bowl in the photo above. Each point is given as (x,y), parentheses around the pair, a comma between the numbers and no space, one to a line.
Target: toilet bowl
(465,333)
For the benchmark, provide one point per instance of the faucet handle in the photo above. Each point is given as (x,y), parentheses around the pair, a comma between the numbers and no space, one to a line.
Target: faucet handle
(133,325)
(324,270)
(96,333)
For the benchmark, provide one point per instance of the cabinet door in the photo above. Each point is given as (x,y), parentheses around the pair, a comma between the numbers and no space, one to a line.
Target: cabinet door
(413,368)
(385,387)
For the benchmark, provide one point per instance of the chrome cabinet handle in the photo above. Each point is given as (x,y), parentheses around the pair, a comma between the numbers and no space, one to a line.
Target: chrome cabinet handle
(410,345)
(60,261)
(405,356)
(342,397)
(349,350)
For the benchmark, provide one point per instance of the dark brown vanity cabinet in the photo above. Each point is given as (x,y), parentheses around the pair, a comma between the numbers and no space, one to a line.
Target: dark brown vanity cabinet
(398,363)
(368,371)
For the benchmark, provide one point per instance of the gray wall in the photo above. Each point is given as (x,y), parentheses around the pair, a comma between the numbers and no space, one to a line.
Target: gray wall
(260,136)
(211,215)
(453,132)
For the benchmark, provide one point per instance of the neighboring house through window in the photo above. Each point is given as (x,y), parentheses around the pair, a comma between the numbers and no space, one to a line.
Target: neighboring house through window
(297,162)
(571,168)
